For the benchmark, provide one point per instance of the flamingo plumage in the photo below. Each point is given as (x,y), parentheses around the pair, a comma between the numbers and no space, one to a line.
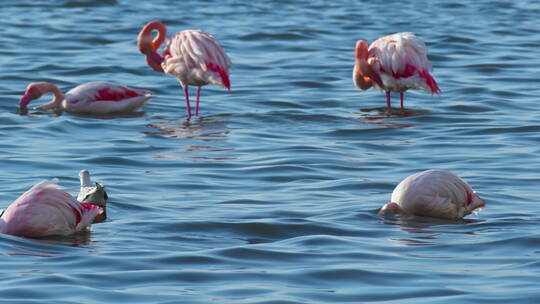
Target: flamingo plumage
(91,98)
(45,210)
(434,193)
(393,64)
(194,57)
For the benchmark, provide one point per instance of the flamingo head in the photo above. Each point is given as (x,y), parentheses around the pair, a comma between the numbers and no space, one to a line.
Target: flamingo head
(361,50)
(37,89)
(33,91)
(362,71)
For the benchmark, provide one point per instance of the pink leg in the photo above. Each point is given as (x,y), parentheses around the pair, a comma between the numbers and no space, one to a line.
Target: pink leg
(197,105)
(401,99)
(388,102)
(188,108)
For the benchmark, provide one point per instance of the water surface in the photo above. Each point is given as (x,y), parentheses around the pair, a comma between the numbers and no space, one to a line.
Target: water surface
(271,196)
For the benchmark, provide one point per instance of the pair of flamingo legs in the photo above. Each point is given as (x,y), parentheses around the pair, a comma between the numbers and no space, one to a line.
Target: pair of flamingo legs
(188,107)
(389,102)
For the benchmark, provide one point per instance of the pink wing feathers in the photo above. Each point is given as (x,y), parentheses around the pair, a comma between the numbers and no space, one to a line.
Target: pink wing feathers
(196,58)
(401,61)
(106,97)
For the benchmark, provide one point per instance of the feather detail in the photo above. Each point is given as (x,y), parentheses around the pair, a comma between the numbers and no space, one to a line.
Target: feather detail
(403,63)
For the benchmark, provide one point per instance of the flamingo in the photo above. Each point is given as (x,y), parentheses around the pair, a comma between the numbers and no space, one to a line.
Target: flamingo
(90,98)
(45,210)
(192,56)
(434,193)
(393,63)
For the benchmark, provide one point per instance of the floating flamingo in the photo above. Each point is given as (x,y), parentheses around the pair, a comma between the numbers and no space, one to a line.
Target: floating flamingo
(192,56)
(46,209)
(434,193)
(395,64)
(91,98)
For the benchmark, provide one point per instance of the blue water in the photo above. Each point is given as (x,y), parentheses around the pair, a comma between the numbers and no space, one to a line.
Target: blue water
(271,196)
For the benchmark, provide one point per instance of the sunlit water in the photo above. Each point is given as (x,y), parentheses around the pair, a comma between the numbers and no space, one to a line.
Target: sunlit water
(271,196)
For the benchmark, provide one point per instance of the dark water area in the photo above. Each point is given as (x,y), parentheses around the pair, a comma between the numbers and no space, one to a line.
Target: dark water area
(271,195)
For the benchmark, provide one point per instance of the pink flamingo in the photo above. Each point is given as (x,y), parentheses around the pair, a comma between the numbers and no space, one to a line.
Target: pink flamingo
(395,64)
(434,193)
(46,209)
(192,56)
(91,98)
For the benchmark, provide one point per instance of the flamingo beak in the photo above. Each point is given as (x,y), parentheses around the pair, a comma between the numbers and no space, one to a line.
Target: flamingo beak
(25,100)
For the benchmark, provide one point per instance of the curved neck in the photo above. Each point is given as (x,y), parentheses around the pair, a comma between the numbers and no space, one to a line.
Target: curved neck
(145,41)
(161,33)
(46,87)
(149,46)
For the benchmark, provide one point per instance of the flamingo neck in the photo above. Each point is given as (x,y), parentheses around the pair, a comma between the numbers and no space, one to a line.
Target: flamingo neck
(58,96)
(149,46)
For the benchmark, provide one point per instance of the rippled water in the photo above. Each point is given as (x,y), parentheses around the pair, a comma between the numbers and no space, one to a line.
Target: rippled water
(271,196)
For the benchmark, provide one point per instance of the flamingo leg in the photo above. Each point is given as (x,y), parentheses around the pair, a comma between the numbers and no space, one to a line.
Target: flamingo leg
(188,108)
(401,99)
(197,104)
(388,102)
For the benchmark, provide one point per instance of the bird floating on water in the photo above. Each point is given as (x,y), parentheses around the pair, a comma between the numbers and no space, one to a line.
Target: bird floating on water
(393,64)
(434,193)
(89,98)
(46,210)
(192,56)
(93,193)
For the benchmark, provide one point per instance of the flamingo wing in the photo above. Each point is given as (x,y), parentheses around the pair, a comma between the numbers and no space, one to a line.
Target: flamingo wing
(196,58)
(402,62)
(105,98)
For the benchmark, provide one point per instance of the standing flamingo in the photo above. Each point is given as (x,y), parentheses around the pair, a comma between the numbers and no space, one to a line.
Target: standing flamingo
(395,64)
(46,209)
(192,56)
(434,193)
(90,98)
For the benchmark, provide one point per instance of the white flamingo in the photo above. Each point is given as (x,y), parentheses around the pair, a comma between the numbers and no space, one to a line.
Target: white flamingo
(45,210)
(395,64)
(192,56)
(90,98)
(434,193)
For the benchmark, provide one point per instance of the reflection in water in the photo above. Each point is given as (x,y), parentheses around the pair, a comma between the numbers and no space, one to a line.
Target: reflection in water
(209,130)
(44,247)
(384,112)
(377,115)
(80,239)
(56,112)
(425,230)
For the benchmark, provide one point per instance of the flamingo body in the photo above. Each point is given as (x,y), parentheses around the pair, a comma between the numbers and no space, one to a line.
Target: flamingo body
(194,57)
(46,209)
(91,98)
(394,64)
(434,193)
